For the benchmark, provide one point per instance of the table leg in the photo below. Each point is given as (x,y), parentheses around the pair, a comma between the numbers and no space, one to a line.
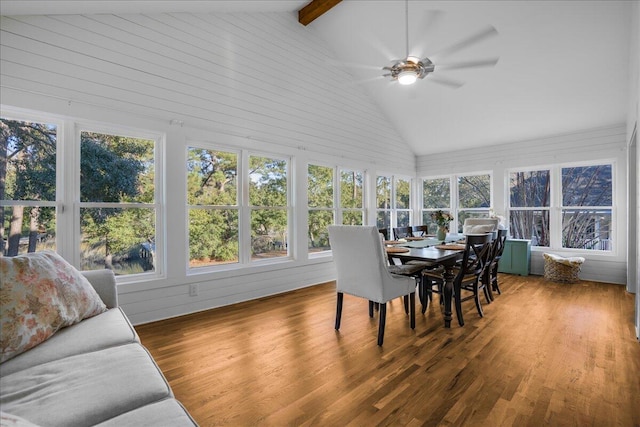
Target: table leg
(448,294)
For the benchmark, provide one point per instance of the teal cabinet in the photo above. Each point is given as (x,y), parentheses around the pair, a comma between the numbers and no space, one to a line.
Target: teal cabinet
(516,258)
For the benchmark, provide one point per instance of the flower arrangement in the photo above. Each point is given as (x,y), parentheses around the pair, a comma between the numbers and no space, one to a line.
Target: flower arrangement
(442,218)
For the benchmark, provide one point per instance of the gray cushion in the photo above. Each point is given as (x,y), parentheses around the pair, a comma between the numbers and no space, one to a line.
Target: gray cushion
(105,330)
(166,413)
(85,389)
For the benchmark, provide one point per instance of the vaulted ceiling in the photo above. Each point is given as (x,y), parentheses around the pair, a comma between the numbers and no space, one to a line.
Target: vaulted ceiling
(563,65)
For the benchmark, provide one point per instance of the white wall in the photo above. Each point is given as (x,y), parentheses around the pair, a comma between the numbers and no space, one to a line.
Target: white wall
(256,81)
(597,144)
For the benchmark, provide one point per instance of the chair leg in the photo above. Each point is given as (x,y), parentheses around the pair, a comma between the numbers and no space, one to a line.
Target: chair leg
(405,300)
(383,319)
(370,308)
(494,280)
(412,309)
(339,310)
(457,298)
(476,298)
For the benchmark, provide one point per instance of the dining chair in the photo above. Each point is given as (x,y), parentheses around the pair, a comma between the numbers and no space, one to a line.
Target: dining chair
(384,232)
(468,273)
(363,271)
(490,277)
(420,230)
(402,232)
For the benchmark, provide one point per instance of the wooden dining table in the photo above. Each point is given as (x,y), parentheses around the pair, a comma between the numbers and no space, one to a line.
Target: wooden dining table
(444,257)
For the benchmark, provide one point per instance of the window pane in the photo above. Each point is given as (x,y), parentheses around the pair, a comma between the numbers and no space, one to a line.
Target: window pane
(320,186)
(211,177)
(533,225)
(122,240)
(29,162)
(383,219)
(474,191)
(31,229)
(587,186)
(352,218)
(436,193)
(268,233)
(587,229)
(116,168)
(213,237)
(318,233)
(429,222)
(383,192)
(404,218)
(351,185)
(529,189)
(267,182)
(403,194)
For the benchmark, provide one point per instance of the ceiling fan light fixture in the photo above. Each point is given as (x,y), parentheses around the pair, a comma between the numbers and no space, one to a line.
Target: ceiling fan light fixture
(407,77)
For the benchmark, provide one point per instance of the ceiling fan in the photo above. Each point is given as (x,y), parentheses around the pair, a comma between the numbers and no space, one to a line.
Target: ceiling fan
(408,70)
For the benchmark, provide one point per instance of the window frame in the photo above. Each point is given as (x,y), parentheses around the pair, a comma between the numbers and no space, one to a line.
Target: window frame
(158,204)
(556,207)
(393,210)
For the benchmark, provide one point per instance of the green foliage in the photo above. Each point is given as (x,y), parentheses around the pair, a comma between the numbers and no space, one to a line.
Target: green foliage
(436,193)
(474,191)
(351,185)
(320,186)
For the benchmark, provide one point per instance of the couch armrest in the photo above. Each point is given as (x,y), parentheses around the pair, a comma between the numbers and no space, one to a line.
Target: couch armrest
(104,282)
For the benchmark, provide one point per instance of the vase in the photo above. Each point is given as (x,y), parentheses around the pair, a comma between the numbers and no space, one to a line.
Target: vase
(442,233)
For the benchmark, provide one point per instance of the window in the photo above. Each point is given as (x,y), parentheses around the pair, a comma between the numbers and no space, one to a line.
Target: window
(108,177)
(583,202)
(118,208)
(474,197)
(28,172)
(320,196)
(352,197)
(326,206)
(393,202)
(436,195)
(212,199)
(269,207)
(529,201)
(587,200)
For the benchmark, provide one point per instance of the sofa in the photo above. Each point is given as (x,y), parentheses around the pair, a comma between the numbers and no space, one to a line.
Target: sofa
(93,372)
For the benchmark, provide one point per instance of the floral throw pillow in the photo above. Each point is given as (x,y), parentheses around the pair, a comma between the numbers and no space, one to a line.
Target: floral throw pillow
(40,293)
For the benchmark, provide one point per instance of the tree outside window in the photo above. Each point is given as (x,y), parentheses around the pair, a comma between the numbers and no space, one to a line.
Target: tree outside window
(383,202)
(320,196)
(28,152)
(269,206)
(529,201)
(117,203)
(474,197)
(212,199)
(436,195)
(352,197)
(587,201)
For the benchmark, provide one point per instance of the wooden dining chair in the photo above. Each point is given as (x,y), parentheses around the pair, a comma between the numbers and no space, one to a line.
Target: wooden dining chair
(402,232)
(468,273)
(490,276)
(420,230)
(362,271)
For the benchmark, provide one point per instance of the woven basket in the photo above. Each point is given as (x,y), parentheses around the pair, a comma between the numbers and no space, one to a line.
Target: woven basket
(564,270)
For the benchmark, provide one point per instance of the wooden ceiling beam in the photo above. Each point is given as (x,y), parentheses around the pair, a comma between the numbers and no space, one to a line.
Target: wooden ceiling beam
(314,10)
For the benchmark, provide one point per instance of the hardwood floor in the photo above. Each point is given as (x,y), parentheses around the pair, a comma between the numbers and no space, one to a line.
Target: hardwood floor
(544,354)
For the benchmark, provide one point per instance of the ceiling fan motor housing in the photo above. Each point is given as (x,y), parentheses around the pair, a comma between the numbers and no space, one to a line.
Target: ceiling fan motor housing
(420,67)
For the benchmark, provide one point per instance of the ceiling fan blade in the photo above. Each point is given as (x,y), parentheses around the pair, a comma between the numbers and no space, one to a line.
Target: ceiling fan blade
(455,84)
(369,80)
(474,38)
(490,62)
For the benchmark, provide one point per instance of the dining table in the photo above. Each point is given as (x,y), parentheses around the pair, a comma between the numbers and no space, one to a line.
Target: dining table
(433,251)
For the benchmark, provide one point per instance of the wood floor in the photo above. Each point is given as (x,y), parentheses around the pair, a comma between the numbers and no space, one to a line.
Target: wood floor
(544,354)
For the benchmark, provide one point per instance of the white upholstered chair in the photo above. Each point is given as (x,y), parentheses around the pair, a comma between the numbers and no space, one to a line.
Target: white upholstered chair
(361,264)
(480,225)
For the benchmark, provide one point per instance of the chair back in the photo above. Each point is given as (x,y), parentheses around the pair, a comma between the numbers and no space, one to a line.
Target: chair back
(420,230)
(384,232)
(361,261)
(476,255)
(498,245)
(480,225)
(402,232)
